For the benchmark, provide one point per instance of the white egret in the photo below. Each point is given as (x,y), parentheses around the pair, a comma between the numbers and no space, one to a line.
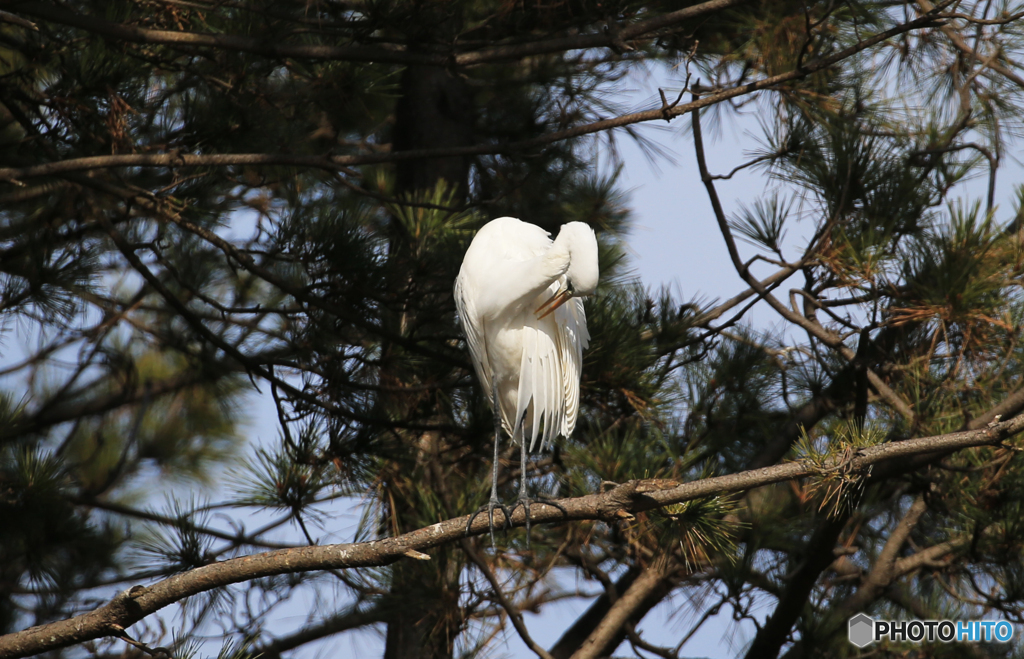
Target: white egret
(518,299)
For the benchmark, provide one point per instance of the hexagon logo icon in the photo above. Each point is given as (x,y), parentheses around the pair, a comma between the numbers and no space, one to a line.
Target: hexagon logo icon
(862,630)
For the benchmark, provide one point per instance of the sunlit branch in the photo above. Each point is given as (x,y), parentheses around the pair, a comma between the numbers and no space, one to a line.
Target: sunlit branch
(636,496)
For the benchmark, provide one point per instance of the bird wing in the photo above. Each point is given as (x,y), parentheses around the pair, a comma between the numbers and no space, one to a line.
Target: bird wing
(573,339)
(540,409)
(472,324)
(549,375)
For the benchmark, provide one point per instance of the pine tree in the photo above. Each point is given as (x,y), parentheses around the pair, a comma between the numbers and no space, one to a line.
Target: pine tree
(202,200)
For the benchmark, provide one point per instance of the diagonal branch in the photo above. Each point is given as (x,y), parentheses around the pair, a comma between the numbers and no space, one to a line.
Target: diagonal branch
(234,352)
(335,624)
(884,571)
(587,622)
(963,47)
(815,559)
(102,403)
(1009,407)
(927,557)
(387,53)
(766,283)
(600,641)
(239,538)
(822,334)
(139,602)
(159,210)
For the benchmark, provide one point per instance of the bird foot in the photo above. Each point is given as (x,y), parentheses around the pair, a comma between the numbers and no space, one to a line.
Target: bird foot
(489,508)
(524,502)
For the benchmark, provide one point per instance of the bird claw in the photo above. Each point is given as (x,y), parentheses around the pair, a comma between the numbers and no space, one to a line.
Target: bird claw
(491,505)
(524,502)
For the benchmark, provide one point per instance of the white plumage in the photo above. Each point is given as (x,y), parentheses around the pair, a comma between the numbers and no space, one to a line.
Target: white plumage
(518,299)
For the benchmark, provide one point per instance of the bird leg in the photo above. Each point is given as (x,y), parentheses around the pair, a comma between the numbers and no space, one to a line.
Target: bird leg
(524,500)
(494,501)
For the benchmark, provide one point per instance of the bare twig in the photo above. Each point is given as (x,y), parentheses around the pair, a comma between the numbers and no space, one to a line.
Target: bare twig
(743,269)
(514,614)
(963,47)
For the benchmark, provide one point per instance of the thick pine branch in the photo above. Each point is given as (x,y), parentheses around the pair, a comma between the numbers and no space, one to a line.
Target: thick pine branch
(139,602)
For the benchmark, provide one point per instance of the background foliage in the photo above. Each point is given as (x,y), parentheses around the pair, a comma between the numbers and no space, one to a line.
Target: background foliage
(200,199)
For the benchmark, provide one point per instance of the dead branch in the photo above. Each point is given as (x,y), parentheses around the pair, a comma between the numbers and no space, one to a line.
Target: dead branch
(513,612)
(824,335)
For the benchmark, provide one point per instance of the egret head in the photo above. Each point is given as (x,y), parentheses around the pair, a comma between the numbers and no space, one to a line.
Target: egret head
(579,241)
(582,244)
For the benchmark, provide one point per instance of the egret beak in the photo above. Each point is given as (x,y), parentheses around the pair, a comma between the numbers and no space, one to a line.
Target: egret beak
(557,300)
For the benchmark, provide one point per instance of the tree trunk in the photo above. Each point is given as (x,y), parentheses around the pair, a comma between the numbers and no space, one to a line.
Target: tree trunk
(433,111)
